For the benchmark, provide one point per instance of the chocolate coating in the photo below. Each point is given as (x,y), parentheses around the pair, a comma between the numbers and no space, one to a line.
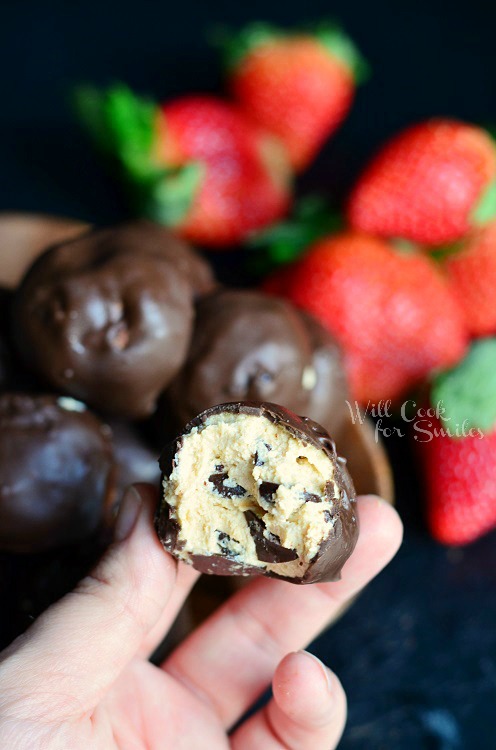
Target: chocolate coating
(245,346)
(339,493)
(107,318)
(157,239)
(327,399)
(56,472)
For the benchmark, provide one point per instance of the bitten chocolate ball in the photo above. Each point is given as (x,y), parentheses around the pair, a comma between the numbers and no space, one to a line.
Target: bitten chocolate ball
(252,489)
(245,346)
(107,317)
(56,472)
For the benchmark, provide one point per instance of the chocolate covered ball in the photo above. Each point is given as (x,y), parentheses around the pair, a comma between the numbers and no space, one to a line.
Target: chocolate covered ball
(149,237)
(107,318)
(252,489)
(56,472)
(245,346)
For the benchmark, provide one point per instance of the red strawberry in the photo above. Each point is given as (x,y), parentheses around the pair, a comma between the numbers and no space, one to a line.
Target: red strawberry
(298,85)
(429,184)
(458,451)
(196,164)
(471,271)
(391,312)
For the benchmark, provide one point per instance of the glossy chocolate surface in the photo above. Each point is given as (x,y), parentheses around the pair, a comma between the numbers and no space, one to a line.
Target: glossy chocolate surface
(56,472)
(107,317)
(327,399)
(245,346)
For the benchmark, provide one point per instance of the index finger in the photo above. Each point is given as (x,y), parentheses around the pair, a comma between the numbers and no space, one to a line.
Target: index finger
(231,658)
(76,650)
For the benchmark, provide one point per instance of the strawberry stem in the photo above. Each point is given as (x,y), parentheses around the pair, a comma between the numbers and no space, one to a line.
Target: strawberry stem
(121,125)
(170,195)
(339,44)
(235,47)
(284,242)
(124,127)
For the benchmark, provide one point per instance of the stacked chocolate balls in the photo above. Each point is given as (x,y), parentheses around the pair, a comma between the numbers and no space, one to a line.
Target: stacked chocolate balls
(115,331)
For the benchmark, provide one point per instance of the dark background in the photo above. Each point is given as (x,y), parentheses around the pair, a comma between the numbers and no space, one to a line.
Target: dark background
(417,653)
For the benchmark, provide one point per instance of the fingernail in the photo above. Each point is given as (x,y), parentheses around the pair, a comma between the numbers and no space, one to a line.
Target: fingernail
(323,667)
(127,515)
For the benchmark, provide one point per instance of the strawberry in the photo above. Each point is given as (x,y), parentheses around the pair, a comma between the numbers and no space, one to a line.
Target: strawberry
(457,448)
(298,85)
(392,312)
(470,267)
(195,164)
(430,184)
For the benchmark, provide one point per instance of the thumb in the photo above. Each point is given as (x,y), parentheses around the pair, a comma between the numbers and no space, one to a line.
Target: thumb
(74,652)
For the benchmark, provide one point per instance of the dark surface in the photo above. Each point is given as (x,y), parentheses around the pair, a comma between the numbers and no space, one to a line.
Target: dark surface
(417,653)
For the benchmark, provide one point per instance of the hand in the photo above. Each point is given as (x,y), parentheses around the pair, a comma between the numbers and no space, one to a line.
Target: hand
(80,677)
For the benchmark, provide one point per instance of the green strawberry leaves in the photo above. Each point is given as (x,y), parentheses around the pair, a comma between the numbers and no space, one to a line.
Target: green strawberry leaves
(339,44)
(123,127)
(485,208)
(284,242)
(468,391)
(170,195)
(236,47)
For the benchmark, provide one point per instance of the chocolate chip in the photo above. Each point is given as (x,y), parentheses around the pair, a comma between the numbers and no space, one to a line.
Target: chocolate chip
(218,480)
(268,546)
(219,467)
(258,461)
(267,490)
(224,543)
(310,497)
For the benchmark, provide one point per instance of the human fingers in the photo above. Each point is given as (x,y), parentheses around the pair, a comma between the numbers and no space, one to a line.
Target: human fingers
(231,658)
(74,651)
(185,580)
(307,711)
